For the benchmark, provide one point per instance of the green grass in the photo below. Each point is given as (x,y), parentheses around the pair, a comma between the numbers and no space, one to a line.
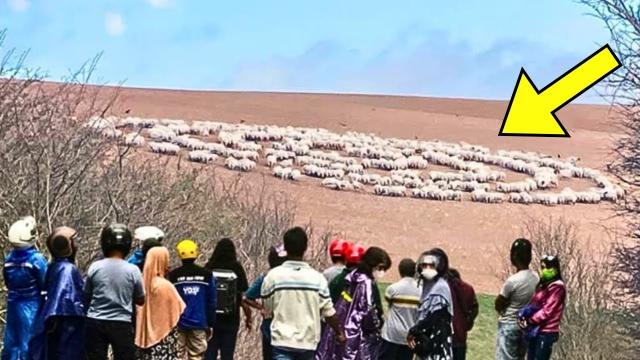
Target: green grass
(481,341)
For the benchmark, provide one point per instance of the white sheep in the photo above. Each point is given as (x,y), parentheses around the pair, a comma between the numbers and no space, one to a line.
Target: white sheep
(394,191)
(482,195)
(134,139)
(239,165)
(202,156)
(164,148)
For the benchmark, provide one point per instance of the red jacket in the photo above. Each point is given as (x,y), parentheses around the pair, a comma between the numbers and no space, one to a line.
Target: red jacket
(464,298)
(550,299)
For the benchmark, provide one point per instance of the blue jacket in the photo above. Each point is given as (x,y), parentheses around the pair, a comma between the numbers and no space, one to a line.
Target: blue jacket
(24,275)
(63,312)
(197,287)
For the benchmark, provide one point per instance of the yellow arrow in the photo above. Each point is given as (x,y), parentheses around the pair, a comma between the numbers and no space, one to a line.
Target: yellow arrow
(531,112)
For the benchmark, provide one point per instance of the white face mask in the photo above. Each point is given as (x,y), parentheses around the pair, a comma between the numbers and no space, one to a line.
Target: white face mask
(378,274)
(429,274)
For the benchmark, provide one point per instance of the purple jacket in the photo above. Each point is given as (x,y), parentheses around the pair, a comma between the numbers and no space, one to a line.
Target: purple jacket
(360,317)
(550,299)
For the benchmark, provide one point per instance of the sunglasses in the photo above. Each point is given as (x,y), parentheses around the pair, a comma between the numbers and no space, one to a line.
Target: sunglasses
(548,258)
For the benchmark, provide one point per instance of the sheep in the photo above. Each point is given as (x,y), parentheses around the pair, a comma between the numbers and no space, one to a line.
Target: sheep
(316,171)
(134,139)
(354,168)
(545,178)
(482,195)
(371,179)
(249,146)
(161,133)
(521,198)
(202,156)
(447,176)
(394,191)
(286,173)
(545,198)
(518,187)
(164,148)
(338,184)
(239,165)
(567,196)
(591,196)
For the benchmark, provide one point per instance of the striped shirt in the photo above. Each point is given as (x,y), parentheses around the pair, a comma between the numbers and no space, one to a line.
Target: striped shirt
(297,296)
(403,298)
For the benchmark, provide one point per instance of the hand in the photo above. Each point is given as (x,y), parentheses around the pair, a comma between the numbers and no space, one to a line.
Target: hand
(209,333)
(523,323)
(248,322)
(340,338)
(411,342)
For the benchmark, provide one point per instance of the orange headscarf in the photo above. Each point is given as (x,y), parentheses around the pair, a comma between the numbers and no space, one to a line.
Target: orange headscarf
(163,305)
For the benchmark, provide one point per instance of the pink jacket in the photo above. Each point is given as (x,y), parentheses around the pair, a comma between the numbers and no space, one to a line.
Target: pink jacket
(550,299)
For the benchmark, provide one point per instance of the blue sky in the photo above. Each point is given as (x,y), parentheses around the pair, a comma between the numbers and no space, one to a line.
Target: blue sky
(465,48)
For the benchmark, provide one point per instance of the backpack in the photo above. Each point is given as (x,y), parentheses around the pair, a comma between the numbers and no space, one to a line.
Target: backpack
(226,291)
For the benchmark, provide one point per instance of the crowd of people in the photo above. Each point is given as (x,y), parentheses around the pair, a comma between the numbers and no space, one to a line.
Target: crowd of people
(141,309)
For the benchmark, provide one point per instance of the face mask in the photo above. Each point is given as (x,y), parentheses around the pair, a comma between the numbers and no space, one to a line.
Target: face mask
(378,274)
(429,274)
(547,274)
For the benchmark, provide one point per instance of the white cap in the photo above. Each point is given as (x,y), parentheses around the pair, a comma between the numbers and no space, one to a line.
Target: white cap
(148,232)
(22,233)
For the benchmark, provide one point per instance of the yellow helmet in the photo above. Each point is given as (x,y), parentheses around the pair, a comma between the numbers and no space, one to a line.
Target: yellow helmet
(187,249)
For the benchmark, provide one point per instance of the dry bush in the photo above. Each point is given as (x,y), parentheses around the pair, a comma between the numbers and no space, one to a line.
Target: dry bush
(592,327)
(62,173)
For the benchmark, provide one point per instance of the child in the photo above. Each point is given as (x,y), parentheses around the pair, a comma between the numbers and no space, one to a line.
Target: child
(403,298)
(277,256)
(112,287)
(337,250)
(59,329)
(24,276)
(197,287)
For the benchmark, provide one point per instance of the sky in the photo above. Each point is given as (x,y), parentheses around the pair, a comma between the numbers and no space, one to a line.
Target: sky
(464,48)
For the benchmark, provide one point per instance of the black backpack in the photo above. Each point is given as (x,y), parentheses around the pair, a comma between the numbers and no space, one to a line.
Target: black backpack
(226,291)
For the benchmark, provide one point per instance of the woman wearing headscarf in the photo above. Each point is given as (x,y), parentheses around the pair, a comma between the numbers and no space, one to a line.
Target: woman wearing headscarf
(431,337)
(59,326)
(543,315)
(157,319)
(359,308)
(227,325)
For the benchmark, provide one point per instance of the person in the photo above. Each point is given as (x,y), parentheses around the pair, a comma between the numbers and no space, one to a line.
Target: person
(197,287)
(516,292)
(297,296)
(146,237)
(548,303)
(353,255)
(157,319)
(430,337)
(59,328)
(360,311)
(465,311)
(403,298)
(111,288)
(337,250)
(24,274)
(226,327)
(277,256)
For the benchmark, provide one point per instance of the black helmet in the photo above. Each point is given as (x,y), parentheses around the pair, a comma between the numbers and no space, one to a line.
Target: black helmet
(115,237)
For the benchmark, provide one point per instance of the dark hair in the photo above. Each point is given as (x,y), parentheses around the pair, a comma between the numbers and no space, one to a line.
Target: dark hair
(373,257)
(148,244)
(338,258)
(552,262)
(295,242)
(274,259)
(443,263)
(407,268)
(224,253)
(521,250)
(455,273)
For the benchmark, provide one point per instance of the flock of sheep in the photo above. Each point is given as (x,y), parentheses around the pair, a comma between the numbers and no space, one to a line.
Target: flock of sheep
(357,161)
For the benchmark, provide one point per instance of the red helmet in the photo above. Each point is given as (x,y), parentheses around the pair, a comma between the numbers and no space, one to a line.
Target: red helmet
(355,254)
(338,247)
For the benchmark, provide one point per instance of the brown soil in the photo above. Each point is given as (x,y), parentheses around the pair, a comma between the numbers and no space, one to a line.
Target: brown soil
(473,234)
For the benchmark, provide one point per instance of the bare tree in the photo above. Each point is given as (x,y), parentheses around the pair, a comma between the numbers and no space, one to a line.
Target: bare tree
(64,173)
(622,19)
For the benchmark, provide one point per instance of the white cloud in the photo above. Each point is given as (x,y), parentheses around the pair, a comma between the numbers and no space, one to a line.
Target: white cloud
(114,24)
(19,5)
(162,4)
